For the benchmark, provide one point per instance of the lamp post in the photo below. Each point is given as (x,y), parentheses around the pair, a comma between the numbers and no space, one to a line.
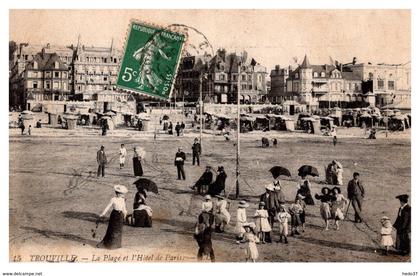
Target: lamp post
(238,129)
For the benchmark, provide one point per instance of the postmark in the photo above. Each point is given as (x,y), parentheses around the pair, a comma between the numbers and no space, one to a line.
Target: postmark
(150,61)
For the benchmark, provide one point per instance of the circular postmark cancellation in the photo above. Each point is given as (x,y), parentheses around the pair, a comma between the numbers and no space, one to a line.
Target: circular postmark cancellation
(152,55)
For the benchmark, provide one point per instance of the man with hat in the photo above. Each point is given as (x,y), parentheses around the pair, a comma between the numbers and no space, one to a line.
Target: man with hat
(196,152)
(101,159)
(271,203)
(356,193)
(403,226)
(205,180)
(179,163)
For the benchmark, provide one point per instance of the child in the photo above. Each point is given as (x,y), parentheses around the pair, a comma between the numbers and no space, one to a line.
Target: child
(207,205)
(295,210)
(251,240)
(386,231)
(283,217)
(262,224)
(301,201)
(241,220)
(29,130)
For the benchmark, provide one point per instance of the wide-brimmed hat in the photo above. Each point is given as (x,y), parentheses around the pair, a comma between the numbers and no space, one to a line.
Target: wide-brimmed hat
(337,189)
(243,204)
(262,203)
(121,189)
(269,187)
(403,197)
(208,167)
(385,218)
(249,224)
(207,197)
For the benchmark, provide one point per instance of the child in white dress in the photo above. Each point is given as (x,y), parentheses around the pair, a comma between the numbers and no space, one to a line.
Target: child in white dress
(283,217)
(386,237)
(251,239)
(262,224)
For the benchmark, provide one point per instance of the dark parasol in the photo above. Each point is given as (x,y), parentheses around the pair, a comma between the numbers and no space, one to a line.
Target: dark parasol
(146,184)
(276,171)
(308,170)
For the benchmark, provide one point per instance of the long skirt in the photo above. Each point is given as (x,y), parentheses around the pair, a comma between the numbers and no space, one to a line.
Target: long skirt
(138,170)
(284,229)
(142,219)
(220,218)
(113,236)
(325,211)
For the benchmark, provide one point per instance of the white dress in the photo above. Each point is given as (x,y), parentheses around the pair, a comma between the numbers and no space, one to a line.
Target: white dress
(338,206)
(207,206)
(222,214)
(240,220)
(262,224)
(283,218)
(386,238)
(123,154)
(251,249)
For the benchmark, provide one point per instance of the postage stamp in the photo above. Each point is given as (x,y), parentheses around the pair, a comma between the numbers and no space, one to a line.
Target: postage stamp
(150,60)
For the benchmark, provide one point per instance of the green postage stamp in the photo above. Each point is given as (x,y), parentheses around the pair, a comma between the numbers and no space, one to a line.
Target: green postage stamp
(150,60)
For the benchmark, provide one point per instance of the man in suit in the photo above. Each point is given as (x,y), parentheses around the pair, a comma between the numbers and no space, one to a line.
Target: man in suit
(101,159)
(356,194)
(196,152)
(403,226)
(272,205)
(179,163)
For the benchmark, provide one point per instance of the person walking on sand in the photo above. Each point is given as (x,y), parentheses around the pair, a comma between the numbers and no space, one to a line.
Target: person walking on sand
(403,226)
(356,194)
(29,130)
(337,206)
(113,236)
(138,169)
(325,209)
(177,129)
(22,128)
(334,135)
(196,151)
(123,154)
(179,163)
(263,227)
(102,160)
(222,215)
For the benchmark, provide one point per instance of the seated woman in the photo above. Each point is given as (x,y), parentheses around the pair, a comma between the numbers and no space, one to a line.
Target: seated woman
(218,185)
(204,181)
(142,214)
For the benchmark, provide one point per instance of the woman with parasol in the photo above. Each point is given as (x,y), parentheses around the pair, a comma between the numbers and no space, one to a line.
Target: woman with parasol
(113,236)
(304,186)
(142,213)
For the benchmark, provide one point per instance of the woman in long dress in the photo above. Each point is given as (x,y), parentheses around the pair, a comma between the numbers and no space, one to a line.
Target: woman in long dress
(138,170)
(326,198)
(304,189)
(222,215)
(113,236)
(338,206)
(251,239)
(337,170)
(240,220)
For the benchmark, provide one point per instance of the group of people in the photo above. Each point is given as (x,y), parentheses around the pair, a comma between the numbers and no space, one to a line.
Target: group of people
(102,160)
(168,126)
(141,216)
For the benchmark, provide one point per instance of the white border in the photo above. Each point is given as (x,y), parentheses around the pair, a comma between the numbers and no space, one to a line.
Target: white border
(206,269)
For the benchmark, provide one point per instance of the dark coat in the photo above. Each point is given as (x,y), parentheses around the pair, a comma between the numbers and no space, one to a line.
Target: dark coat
(182,155)
(272,203)
(403,222)
(205,179)
(101,157)
(196,148)
(355,189)
(218,185)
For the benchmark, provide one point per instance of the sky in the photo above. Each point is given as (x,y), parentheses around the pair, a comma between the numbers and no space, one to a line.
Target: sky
(269,36)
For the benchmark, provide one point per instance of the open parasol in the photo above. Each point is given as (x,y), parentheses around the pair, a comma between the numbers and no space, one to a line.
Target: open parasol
(146,184)
(308,170)
(276,171)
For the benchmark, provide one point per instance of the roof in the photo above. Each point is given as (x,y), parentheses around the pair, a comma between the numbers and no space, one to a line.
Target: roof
(350,76)
(305,63)
(47,61)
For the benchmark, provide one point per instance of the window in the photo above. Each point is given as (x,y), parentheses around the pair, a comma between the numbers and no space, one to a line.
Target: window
(222,77)
(315,74)
(244,77)
(56,85)
(322,74)
(35,65)
(48,85)
(250,87)
(64,74)
(391,85)
(56,74)
(48,74)
(35,84)
(56,65)
(380,84)
(105,78)
(64,86)
(296,75)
